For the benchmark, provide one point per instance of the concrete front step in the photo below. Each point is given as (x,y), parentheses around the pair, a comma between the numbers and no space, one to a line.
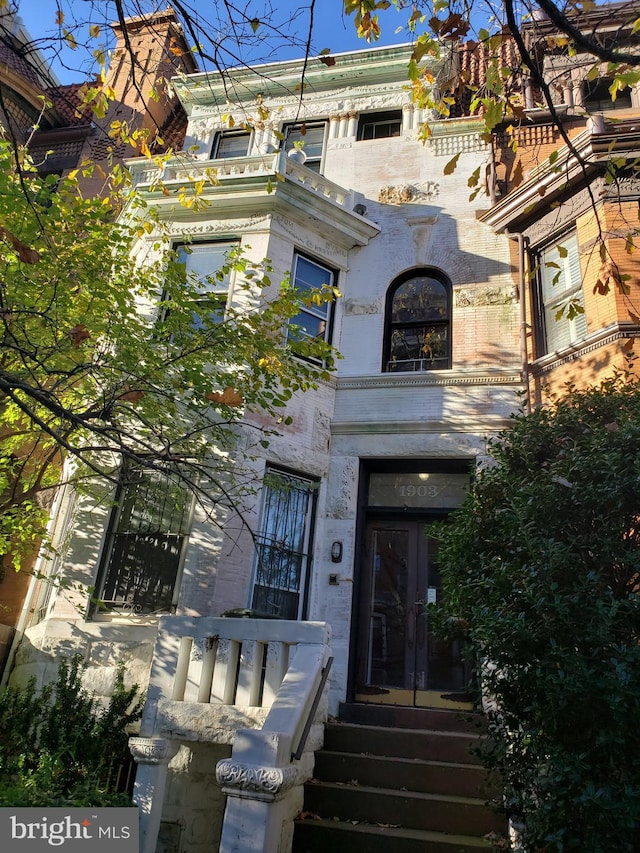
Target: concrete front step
(443,746)
(428,777)
(412,787)
(401,717)
(320,836)
(411,809)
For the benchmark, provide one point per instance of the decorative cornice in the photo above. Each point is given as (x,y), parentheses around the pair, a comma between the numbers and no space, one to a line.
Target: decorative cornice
(263,782)
(590,153)
(604,338)
(277,82)
(509,376)
(453,426)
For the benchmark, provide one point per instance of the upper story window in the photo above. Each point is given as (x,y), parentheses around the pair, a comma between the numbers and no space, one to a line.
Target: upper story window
(313,321)
(380,125)
(597,96)
(563,318)
(231,143)
(284,545)
(203,262)
(143,553)
(418,323)
(310,137)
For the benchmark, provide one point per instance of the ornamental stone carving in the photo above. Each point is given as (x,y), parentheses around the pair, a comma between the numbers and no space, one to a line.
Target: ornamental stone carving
(427,191)
(268,782)
(471,297)
(214,227)
(152,750)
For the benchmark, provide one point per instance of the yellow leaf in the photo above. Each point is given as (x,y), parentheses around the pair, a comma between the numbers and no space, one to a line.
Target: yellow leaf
(70,40)
(450,168)
(255,24)
(94,31)
(59,14)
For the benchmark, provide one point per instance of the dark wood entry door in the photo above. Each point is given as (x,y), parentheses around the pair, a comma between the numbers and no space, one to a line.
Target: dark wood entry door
(399,661)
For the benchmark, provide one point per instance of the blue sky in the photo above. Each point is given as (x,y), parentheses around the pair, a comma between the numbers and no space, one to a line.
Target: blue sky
(330,29)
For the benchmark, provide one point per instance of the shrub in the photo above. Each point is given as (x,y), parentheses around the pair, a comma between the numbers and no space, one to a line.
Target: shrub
(58,747)
(542,565)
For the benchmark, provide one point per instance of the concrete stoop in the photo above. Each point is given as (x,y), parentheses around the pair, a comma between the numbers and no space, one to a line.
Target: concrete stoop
(398,780)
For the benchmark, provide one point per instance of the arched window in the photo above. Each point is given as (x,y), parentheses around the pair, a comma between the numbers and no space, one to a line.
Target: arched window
(418,323)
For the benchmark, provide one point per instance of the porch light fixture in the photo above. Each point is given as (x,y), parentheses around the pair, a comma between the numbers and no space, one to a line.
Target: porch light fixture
(336,552)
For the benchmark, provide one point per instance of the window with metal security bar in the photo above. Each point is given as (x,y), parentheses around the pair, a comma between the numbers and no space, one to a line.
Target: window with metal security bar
(142,558)
(563,318)
(418,323)
(283,546)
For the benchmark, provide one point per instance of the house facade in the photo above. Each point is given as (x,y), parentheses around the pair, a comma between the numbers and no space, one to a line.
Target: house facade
(428,326)
(450,307)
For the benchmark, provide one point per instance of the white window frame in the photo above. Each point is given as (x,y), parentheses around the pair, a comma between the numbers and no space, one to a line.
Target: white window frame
(224,137)
(560,285)
(203,260)
(381,121)
(294,133)
(312,314)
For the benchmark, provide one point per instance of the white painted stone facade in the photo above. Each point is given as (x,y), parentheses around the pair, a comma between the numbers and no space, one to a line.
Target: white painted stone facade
(414,217)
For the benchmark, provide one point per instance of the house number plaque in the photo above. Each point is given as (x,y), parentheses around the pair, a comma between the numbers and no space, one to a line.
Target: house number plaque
(417,490)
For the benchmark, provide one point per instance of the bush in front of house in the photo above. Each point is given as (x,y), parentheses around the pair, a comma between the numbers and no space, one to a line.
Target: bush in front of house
(59,747)
(541,566)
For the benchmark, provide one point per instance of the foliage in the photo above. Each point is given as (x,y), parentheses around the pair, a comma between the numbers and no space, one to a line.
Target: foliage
(109,355)
(58,746)
(541,565)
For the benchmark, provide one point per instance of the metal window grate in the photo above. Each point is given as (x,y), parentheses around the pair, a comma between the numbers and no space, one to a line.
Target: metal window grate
(283,546)
(145,545)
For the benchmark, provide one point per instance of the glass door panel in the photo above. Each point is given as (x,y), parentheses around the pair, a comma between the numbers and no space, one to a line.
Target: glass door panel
(399,659)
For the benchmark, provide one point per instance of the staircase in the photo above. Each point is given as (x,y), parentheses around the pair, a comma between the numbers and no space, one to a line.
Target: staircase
(397,780)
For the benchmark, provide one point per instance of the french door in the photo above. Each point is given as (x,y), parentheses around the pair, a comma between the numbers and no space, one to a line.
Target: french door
(399,660)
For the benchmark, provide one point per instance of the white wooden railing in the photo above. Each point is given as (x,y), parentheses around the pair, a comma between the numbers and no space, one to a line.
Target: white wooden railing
(253,683)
